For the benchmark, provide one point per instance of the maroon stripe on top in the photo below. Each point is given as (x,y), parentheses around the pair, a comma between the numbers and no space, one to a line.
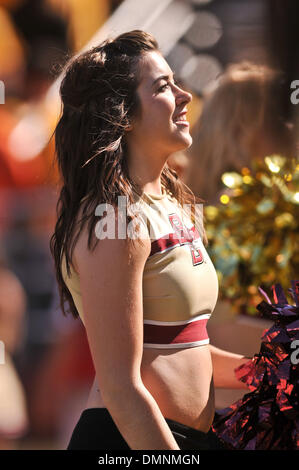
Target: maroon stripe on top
(171,240)
(172,334)
(195,232)
(163,243)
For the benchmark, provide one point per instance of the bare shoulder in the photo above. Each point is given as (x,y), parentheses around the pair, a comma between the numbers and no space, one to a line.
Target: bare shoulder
(113,245)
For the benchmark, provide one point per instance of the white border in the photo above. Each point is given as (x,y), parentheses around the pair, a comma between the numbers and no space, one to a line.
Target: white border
(205,316)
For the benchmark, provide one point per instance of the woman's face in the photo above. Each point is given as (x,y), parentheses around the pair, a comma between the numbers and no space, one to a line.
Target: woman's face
(161,119)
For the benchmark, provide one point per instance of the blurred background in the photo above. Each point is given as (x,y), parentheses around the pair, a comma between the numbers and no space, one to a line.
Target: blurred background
(240,61)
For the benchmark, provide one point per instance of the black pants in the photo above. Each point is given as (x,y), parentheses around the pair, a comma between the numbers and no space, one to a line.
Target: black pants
(96,430)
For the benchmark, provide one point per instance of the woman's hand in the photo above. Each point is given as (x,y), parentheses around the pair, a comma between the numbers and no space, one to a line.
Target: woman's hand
(224,365)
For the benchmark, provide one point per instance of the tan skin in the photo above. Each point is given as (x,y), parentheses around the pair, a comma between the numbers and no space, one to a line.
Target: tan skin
(140,387)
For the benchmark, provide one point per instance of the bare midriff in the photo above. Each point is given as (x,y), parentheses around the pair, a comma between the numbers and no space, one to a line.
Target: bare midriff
(180,381)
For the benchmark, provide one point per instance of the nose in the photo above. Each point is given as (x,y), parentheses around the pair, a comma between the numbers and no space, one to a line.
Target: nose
(182,96)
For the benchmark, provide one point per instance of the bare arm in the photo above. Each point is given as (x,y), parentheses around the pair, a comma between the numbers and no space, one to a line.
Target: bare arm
(224,365)
(111,285)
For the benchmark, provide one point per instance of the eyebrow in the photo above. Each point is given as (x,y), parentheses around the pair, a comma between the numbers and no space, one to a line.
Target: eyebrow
(163,77)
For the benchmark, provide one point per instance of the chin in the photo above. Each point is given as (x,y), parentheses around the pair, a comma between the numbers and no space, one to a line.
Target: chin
(186,142)
(190,141)
(180,142)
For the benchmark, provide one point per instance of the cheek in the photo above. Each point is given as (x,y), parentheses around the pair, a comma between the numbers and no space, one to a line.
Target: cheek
(168,105)
(156,114)
(157,118)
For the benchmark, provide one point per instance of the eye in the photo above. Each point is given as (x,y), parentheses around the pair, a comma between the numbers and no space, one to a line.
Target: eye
(164,87)
(168,85)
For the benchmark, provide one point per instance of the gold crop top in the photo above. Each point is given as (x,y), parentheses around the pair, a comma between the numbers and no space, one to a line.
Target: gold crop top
(180,284)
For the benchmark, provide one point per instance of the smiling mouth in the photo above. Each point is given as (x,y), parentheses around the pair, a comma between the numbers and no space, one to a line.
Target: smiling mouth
(181,119)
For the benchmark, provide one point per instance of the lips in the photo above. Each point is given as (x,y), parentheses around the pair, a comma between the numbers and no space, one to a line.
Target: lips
(181,118)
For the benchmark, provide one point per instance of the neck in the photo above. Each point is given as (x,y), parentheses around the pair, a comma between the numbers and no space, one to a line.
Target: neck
(145,168)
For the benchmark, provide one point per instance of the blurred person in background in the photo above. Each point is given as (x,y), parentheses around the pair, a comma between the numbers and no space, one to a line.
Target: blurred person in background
(35,36)
(62,382)
(242,118)
(13,407)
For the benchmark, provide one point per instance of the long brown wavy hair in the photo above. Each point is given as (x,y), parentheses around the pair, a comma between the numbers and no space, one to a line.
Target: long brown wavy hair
(98,93)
